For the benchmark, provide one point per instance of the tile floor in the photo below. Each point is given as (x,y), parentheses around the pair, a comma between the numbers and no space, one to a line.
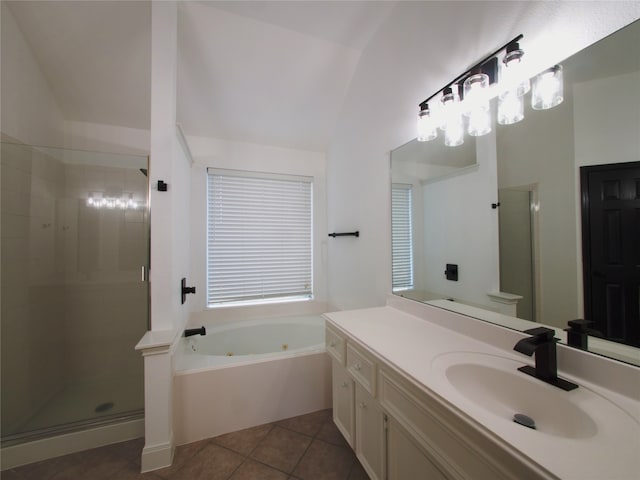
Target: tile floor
(308,447)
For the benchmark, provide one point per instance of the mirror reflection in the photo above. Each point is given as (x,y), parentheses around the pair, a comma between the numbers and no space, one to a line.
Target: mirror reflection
(536,221)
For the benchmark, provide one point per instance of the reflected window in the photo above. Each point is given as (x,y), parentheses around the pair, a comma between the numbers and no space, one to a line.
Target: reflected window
(401,237)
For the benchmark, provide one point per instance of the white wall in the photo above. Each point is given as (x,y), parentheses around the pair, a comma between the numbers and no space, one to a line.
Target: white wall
(461,228)
(380,109)
(30,113)
(211,152)
(98,137)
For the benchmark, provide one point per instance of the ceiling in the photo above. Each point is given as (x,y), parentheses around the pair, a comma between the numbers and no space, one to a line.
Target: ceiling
(273,72)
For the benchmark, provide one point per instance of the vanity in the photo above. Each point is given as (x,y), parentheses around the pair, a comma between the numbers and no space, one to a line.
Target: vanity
(422,393)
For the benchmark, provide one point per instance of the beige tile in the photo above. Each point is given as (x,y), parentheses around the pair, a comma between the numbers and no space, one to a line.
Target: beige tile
(96,464)
(244,441)
(210,463)
(309,424)
(324,461)
(330,434)
(251,470)
(182,455)
(281,449)
(357,472)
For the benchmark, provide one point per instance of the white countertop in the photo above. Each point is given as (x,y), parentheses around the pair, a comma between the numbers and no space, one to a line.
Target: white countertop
(410,344)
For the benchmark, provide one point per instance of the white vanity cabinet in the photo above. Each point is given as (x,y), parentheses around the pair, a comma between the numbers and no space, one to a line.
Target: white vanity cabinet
(400,430)
(343,402)
(406,459)
(356,412)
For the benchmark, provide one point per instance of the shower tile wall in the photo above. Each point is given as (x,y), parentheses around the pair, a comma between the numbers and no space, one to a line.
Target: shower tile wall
(73,305)
(32,295)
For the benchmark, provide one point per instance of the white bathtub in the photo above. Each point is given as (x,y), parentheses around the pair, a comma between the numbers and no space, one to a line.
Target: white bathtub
(251,341)
(248,373)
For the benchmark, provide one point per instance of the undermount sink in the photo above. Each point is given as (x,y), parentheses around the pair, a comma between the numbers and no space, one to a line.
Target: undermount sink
(491,384)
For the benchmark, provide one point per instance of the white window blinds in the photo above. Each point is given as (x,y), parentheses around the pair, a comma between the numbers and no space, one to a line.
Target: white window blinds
(259,237)
(401,237)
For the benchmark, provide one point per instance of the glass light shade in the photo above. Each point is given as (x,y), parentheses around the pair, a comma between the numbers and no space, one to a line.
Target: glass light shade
(476,88)
(511,73)
(452,125)
(548,89)
(426,126)
(510,108)
(454,133)
(479,122)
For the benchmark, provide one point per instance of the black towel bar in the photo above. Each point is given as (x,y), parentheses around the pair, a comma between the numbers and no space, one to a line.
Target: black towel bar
(348,234)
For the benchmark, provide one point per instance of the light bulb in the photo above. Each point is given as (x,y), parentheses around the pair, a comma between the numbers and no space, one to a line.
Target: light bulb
(453,125)
(547,89)
(510,108)
(476,88)
(479,122)
(426,125)
(512,76)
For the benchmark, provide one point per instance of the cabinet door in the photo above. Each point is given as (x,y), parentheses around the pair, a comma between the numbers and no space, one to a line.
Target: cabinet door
(369,434)
(343,401)
(406,460)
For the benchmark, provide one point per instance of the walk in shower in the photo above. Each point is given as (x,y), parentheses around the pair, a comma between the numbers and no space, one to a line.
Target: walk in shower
(75,300)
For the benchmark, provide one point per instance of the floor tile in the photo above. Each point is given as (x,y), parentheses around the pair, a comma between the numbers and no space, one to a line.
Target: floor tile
(357,472)
(182,455)
(281,449)
(330,434)
(324,461)
(130,450)
(309,424)
(210,463)
(96,464)
(251,470)
(243,441)
(11,475)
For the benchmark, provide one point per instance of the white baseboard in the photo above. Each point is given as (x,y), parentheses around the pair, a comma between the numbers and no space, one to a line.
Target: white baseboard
(56,446)
(157,456)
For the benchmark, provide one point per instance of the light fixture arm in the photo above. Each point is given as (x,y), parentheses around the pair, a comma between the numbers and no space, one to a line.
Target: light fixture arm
(477,66)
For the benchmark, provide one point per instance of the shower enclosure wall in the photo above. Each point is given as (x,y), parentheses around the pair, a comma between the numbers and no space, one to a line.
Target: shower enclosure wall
(75,241)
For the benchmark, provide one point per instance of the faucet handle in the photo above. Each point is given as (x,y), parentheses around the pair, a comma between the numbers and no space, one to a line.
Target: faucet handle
(579,325)
(541,333)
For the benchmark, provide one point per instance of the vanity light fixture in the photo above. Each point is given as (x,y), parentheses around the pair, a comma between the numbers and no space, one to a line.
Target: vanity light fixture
(427,129)
(548,89)
(453,125)
(469,95)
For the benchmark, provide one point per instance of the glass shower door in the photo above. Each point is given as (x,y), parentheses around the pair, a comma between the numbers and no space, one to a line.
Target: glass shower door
(75,237)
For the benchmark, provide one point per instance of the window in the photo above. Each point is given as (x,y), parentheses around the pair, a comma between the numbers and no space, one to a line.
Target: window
(259,238)
(401,237)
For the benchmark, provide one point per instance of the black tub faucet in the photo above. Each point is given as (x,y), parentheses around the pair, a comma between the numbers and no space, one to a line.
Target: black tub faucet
(542,343)
(194,331)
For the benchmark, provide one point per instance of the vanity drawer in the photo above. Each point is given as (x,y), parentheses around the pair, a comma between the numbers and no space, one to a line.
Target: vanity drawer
(361,368)
(335,345)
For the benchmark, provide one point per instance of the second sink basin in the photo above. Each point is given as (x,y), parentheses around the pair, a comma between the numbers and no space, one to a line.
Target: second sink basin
(494,385)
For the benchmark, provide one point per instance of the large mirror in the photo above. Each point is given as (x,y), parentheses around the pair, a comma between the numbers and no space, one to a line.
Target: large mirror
(538,221)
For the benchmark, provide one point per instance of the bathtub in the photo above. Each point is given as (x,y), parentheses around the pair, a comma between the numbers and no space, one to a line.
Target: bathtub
(249,373)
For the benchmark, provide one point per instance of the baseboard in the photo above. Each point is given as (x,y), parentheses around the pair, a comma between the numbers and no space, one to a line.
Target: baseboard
(58,445)
(157,456)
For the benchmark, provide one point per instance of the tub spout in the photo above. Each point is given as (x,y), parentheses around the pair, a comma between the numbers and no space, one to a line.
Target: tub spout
(195,331)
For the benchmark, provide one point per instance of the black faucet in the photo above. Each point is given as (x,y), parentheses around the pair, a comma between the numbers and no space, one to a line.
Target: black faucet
(195,331)
(543,343)
(578,332)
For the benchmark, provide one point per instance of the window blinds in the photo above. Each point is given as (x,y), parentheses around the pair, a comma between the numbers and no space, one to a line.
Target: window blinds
(401,237)
(259,237)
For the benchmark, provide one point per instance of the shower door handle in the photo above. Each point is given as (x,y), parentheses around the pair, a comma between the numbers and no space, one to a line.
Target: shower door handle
(143,273)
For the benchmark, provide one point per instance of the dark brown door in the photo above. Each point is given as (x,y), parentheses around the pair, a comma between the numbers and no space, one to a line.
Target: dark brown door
(611,249)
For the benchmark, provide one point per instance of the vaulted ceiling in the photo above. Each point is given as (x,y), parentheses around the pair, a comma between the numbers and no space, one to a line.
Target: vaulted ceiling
(272,72)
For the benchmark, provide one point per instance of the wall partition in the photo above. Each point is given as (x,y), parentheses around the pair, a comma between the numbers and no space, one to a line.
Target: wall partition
(75,297)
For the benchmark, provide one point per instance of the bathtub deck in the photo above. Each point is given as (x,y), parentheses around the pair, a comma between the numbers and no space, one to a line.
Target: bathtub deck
(307,447)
